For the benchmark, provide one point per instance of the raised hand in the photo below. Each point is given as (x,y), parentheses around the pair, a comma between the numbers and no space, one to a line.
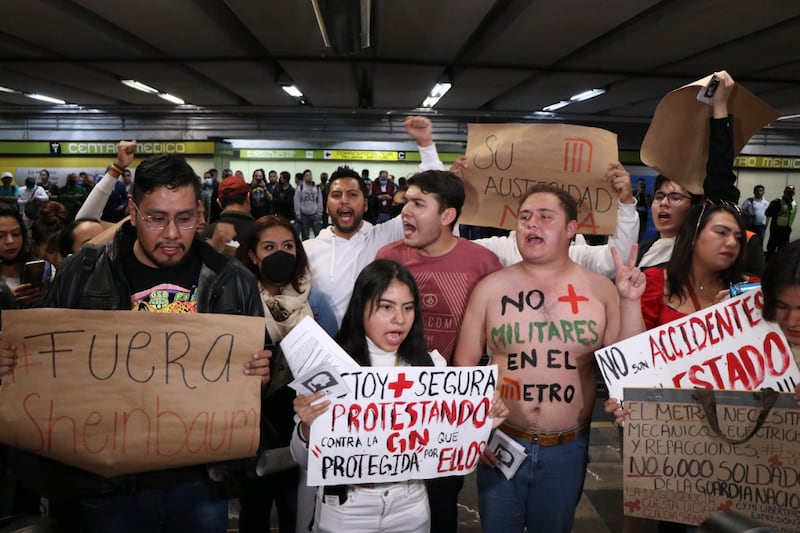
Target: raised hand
(459,166)
(630,280)
(126,151)
(621,181)
(420,129)
(719,101)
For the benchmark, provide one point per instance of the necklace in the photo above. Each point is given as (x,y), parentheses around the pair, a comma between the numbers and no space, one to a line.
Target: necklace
(702,285)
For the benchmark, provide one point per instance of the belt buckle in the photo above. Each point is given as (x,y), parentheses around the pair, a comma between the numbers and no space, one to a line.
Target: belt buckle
(535,438)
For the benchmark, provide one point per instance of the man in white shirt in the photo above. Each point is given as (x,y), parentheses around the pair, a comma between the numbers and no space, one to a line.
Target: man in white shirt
(337,255)
(754,212)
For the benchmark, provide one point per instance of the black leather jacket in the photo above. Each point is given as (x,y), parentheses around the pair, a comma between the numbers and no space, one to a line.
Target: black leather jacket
(93,279)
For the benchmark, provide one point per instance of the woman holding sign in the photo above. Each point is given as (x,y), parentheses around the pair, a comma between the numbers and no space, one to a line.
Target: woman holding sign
(707,258)
(382,327)
(275,255)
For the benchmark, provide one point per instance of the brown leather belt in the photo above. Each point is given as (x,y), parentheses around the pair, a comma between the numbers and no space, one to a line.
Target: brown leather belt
(543,438)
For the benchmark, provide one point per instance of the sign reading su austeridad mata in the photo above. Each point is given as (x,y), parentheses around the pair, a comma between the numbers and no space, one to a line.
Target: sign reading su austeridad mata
(726,346)
(505,160)
(401,423)
(677,468)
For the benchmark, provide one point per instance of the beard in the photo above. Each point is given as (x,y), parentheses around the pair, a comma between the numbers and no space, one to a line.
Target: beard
(351,228)
(169,261)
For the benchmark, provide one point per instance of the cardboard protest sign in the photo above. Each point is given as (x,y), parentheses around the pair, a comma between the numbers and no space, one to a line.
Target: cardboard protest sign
(726,346)
(677,468)
(505,160)
(116,392)
(676,142)
(403,423)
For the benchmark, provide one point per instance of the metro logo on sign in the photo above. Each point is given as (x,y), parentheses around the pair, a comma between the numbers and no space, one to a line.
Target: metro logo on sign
(574,156)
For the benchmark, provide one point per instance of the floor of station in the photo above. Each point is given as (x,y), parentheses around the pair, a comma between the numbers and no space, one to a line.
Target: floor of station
(600,507)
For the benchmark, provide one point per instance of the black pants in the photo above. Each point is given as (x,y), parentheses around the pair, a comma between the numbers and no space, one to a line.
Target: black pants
(778,237)
(259,494)
(443,497)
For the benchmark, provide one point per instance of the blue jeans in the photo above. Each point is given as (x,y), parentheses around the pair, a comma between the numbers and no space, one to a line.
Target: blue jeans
(186,508)
(543,493)
(308,223)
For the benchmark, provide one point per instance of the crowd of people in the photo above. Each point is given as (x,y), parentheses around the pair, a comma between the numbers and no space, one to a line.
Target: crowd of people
(303,201)
(356,256)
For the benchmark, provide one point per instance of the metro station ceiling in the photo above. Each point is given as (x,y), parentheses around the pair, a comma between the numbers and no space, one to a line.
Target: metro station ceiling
(506,59)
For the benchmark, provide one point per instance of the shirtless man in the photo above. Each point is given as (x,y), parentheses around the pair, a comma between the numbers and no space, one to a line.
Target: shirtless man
(543,318)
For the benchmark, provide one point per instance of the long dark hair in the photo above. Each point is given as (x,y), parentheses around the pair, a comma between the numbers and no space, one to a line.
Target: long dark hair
(782,271)
(24,250)
(269,221)
(679,266)
(370,285)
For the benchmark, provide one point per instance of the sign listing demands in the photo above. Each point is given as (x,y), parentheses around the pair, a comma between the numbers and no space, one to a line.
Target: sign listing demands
(726,346)
(505,160)
(401,423)
(117,392)
(676,468)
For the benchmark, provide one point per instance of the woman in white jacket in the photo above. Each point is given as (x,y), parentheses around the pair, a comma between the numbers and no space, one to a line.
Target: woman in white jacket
(381,327)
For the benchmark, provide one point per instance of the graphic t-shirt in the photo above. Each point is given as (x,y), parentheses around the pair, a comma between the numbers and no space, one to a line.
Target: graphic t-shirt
(445,285)
(164,290)
(258,196)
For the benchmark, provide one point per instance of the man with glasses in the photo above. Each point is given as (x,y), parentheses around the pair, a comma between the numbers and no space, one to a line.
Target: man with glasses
(670,207)
(154,263)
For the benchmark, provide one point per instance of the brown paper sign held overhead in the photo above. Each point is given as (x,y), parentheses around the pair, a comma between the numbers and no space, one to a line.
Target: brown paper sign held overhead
(676,143)
(505,160)
(118,392)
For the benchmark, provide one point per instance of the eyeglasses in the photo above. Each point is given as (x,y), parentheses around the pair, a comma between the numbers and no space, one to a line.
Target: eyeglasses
(674,198)
(184,221)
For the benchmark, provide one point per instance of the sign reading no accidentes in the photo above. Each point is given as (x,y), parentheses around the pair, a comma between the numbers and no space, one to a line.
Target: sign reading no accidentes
(402,423)
(726,346)
(116,392)
(505,160)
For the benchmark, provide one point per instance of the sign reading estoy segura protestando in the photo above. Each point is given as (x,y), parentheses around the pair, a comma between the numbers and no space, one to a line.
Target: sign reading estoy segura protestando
(402,423)
(726,346)
(116,392)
